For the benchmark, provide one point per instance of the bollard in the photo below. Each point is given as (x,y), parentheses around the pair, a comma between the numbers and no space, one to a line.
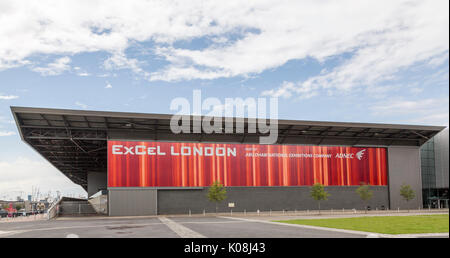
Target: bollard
(283,211)
(343,210)
(257,212)
(307,211)
(270,212)
(331,210)
(204,212)
(295,211)
(398,209)
(189,212)
(245,212)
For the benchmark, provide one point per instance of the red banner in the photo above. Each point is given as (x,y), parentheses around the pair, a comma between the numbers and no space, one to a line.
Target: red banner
(151,164)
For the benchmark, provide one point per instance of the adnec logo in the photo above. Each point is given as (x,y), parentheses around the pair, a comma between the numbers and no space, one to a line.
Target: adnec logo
(359,155)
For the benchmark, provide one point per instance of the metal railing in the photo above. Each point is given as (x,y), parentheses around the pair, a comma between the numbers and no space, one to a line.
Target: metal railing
(75,208)
(52,212)
(231,212)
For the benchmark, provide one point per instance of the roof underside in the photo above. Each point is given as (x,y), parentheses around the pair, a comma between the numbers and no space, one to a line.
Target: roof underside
(75,141)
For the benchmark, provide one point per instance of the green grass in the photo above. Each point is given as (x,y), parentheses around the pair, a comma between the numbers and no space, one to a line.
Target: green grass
(383,224)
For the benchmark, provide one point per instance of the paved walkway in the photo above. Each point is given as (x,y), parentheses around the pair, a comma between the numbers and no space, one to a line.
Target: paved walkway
(196,226)
(161,227)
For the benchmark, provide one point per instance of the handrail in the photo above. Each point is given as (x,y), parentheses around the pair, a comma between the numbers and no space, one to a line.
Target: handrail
(53,210)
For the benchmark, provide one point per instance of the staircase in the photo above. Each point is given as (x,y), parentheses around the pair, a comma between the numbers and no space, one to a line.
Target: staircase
(75,207)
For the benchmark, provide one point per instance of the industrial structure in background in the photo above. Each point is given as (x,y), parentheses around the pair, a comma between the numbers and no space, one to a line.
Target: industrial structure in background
(22,207)
(139,166)
(35,203)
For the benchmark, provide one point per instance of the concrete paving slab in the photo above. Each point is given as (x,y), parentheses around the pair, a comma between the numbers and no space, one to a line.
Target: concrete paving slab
(255,229)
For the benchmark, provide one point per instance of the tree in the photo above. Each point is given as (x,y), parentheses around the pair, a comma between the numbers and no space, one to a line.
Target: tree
(318,193)
(365,194)
(18,207)
(217,193)
(407,193)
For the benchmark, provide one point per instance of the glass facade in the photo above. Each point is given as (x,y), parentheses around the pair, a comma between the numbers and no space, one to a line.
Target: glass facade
(432,196)
(428,165)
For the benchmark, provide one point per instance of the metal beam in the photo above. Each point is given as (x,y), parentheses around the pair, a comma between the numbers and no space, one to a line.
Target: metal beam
(421,135)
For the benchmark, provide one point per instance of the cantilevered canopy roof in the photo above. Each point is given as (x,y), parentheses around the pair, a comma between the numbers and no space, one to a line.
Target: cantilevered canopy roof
(75,141)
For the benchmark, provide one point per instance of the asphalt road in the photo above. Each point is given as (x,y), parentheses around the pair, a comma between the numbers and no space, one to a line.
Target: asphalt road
(160,227)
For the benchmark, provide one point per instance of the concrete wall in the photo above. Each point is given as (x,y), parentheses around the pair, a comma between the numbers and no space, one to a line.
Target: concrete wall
(179,201)
(132,201)
(152,201)
(96,182)
(100,204)
(404,168)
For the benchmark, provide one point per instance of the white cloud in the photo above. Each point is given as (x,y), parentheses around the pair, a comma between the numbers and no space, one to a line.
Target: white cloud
(108,85)
(7,133)
(383,37)
(8,97)
(22,174)
(175,73)
(119,61)
(59,66)
(81,105)
(80,72)
(246,37)
(286,90)
(423,111)
(6,120)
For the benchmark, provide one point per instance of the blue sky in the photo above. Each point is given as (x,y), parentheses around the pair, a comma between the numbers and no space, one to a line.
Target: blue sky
(374,62)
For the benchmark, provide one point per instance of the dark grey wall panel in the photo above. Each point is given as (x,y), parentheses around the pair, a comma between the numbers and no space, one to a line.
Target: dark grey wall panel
(132,202)
(96,182)
(265,199)
(404,168)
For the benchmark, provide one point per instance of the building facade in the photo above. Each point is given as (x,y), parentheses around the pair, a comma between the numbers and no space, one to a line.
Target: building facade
(434,162)
(147,169)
